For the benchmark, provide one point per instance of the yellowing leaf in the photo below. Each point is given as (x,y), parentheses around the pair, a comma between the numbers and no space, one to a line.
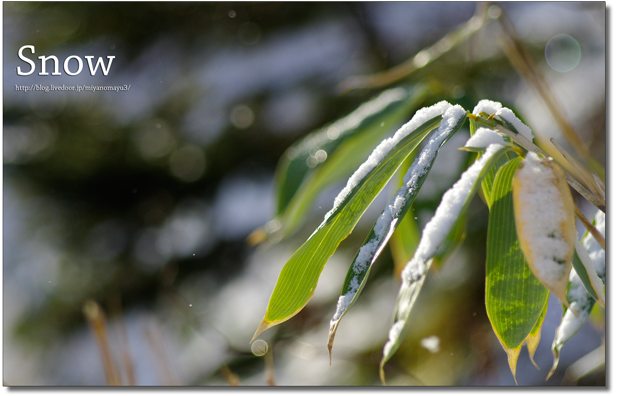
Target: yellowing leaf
(545,218)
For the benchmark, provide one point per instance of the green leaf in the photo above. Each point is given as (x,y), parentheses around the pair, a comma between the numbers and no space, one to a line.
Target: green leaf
(334,151)
(514,297)
(391,217)
(453,205)
(299,277)
(580,298)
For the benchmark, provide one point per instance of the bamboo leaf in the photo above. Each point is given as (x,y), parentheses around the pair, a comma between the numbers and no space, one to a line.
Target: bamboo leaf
(580,299)
(514,297)
(334,151)
(545,219)
(407,234)
(392,216)
(453,205)
(404,242)
(299,277)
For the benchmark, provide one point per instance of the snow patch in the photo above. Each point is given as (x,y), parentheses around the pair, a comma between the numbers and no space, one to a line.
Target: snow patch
(507,115)
(487,106)
(597,254)
(395,331)
(483,138)
(431,343)
(542,224)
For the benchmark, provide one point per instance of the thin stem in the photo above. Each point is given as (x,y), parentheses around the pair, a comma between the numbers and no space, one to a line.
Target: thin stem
(97,321)
(526,66)
(422,58)
(595,233)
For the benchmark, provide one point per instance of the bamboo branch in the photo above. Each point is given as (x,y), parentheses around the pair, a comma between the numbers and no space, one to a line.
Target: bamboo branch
(529,146)
(528,69)
(424,57)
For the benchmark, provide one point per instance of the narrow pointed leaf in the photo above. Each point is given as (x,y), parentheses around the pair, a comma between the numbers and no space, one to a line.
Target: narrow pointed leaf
(334,151)
(407,234)
(580,299)
(514,297)
(404,242)
(453,205)
(392,215)
(299,277)
(405,239)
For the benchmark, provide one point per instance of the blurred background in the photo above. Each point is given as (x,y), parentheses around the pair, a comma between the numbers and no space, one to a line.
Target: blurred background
(126,214)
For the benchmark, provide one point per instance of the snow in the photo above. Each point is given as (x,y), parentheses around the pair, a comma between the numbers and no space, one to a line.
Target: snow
(386,224)
(507,115)
(445,216)
(431,343)
(343,303)
(487,106)
(490,107)
(420,117)
(542,224)
(571,324)
(483,138)
(395,331)
(597,254)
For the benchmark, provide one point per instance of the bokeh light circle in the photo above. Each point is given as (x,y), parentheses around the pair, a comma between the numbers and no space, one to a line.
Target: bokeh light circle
(259,347)
(563,53)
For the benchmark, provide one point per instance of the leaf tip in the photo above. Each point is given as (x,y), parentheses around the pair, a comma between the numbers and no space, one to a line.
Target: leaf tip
(532,341)
(264,325)
(333,326)
(257,236)
(382,375)
(513,356)
(556,360)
